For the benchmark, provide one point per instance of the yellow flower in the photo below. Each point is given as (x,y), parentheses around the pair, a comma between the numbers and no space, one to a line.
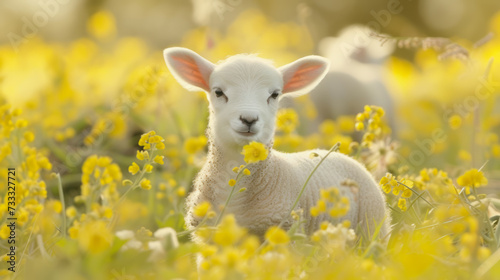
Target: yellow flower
(246,172)
(254,152)
(181,191)
(148,168)
(346,123)
(143,140)
(277,236)
(228,232)
(336,212)
(387,183)
(114,171)
(172,182)
(160,195)
(71,212)
(324,225)
(23,217)
(202,209)
(232,182)
(21,123)
(455,121)
(141,155)
(495,150)
(359,126)
(29,136)
(55,205)
(346,223)
(321,205)
(73,232)
(424,175)
(16,112)
(160,146)
(472,178)
(158,159)
(103,161)
(94,237)
(402,204)
(327,127)
(384,180)
(407,183)
(102,25)
(464,155)
(287,120)
(145,184)
(4,232)
(380,111)
(407,193)
(195,144)
(360,117)
(134,168)
(155,139)
(483,253)
(314,211)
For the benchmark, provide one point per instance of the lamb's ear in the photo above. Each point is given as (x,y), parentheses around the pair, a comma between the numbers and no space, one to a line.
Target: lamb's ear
(302,75)
(190,69)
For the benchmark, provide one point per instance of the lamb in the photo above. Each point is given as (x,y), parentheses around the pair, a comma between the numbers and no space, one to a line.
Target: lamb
(243,93)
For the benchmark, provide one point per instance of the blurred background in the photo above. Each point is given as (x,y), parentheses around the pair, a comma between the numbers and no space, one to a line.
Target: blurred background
(163,23)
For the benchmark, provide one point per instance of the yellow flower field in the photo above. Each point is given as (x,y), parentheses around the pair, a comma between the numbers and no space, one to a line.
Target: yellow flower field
(99,146)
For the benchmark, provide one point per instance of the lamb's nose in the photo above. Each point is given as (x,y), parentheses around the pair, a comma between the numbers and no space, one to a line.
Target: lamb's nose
(249,121)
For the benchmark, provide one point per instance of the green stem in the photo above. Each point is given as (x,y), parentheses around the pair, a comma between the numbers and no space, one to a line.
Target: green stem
(487,265)
(416,193)
(485,217)
(333,149)
(438,224)
(186,232)
(61,197)
(238,177)
(134,185)
(26,246)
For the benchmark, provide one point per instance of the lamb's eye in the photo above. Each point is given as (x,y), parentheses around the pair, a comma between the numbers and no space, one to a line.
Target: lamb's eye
(274,95)
(219,92)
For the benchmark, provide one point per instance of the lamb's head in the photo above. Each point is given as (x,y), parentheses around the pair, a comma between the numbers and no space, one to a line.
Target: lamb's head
(243,91)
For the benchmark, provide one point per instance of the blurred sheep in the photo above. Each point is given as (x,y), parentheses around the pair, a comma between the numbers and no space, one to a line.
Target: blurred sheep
(356,75)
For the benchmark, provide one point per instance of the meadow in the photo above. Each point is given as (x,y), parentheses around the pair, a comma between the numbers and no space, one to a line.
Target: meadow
(102,145)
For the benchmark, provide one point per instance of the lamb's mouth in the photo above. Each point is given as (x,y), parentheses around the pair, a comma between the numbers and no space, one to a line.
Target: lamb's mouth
(246,133)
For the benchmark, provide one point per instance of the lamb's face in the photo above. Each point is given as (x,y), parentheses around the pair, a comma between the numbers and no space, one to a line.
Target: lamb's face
(244,95)
(243,91)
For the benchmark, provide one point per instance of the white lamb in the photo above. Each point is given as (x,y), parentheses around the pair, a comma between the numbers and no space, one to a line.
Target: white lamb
(243,93)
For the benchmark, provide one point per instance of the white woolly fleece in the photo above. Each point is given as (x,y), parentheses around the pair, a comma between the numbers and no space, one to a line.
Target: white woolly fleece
(275,183)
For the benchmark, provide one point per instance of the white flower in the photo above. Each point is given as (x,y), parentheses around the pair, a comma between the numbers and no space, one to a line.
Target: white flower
(125,234)
(168,237)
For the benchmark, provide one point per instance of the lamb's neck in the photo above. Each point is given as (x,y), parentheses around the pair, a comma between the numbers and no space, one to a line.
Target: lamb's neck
(221,161)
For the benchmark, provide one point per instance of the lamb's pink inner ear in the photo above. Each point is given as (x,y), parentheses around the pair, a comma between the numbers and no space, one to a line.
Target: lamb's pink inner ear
(303,76)
(190,71)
